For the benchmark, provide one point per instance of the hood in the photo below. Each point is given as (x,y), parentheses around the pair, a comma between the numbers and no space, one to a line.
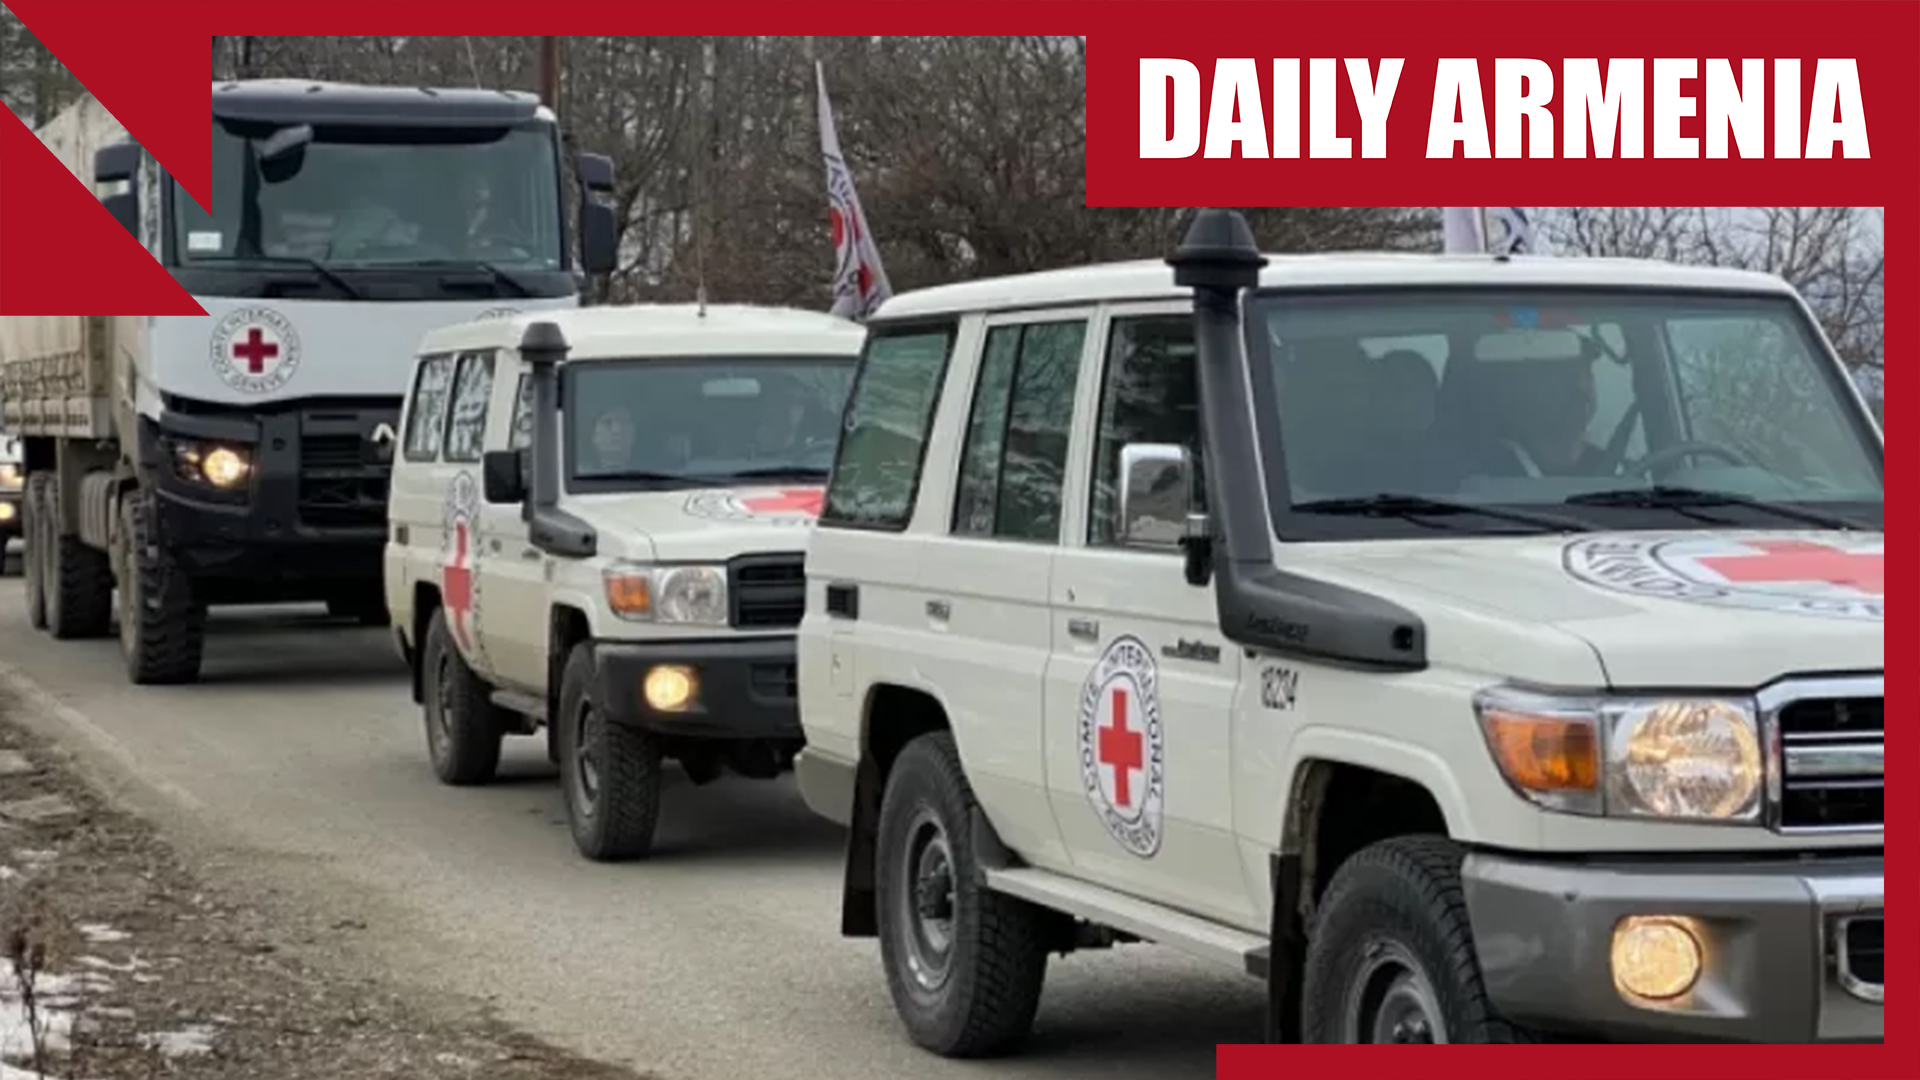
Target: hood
(708,524)
(1688,609)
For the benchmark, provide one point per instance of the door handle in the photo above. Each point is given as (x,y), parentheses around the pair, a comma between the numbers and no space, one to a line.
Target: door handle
(1083,628)
(939,610)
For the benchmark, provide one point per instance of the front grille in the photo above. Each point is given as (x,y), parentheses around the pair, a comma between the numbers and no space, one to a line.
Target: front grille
(343,484)
(1862,948)
(1832,762)
(767,592)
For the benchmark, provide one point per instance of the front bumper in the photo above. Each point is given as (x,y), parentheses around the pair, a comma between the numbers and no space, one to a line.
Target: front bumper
(11,522)
(313,509)
(1792,950)
(745,687)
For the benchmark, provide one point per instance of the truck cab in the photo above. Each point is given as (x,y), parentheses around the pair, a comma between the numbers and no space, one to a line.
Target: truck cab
(243,456)
(1476,649)
(599,526)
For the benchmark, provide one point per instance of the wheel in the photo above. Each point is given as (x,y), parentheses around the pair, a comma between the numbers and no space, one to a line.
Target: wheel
(33,515)
(79,580)
(464,728)
(611,773)
(965,964)
(1390,956)
(162,624)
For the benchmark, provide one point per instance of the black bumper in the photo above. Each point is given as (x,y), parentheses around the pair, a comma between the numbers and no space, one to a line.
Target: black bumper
(11,524)
(313,509)
(745,688)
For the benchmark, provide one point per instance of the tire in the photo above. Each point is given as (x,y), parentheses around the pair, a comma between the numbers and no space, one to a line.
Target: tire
(33,517)
(1394,922)
(79,580)
(163,627)
(982,989)
(610,774)
(464,729)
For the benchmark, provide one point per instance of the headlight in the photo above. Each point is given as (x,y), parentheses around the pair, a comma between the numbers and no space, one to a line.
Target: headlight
(1669,758)
(668,594)
(11,478)
(220,466)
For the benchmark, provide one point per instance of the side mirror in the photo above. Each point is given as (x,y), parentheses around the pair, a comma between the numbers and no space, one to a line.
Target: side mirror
(503,476)
(595,172)
(125,208)
(599,238)
(1157,495)
(284,141)
(116,162)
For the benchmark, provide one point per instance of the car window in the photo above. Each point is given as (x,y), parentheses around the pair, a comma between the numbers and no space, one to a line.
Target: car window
(1014,464)
(427,412)
(1150,395)
(882,449)
(473,386)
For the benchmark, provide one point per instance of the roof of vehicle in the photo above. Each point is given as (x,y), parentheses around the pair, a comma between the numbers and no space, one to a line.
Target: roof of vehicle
(296,101)
(665,330)
(1152,279)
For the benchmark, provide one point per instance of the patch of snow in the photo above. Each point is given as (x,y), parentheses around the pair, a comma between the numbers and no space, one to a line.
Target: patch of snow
(102,934)
(192,1040)
(99,964)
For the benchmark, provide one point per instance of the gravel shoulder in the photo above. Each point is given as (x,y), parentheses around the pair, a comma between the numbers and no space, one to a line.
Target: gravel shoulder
(119,961)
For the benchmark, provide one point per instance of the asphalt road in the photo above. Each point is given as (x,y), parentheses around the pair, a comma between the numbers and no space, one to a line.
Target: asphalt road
(300,759)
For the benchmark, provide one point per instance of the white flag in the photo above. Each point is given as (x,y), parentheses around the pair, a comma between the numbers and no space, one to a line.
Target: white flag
(1500,230)
(859,283)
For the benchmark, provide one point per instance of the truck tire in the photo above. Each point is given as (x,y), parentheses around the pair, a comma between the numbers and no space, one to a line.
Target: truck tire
(610,773)
(965,964)
(163,626)
(1390,957)
(79,580)
(464,731)
(34,546)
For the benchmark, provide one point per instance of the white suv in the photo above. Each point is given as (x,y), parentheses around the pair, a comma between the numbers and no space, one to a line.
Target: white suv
(599,521)
(1513,673)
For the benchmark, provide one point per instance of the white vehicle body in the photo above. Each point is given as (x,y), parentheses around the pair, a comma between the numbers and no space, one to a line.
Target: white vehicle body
(496,585)
(1196,763)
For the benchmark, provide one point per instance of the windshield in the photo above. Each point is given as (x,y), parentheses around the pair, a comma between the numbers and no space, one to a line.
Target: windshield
(1599,405)
(378,196)
(637,425)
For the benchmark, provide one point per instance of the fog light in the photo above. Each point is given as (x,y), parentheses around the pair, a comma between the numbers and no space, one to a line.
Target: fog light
(669,687)
(1655,957)
(7,511)
(223,468)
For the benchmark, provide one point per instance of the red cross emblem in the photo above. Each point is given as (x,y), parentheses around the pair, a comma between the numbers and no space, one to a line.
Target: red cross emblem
(1783,562)
(796,500)
(456,585)
(255,351)
(1121,750)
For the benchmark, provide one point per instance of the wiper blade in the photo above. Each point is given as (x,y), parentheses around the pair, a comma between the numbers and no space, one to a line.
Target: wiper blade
(510,280)
(1664,497)
(1387,504)
(644,476)
(320,269)
(771,471)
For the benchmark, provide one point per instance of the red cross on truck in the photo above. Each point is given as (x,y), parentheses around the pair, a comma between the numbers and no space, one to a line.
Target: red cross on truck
(1783,562)
(255,351)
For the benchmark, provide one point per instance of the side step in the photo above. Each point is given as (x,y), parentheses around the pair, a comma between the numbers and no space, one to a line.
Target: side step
(527,705)
(1143,919)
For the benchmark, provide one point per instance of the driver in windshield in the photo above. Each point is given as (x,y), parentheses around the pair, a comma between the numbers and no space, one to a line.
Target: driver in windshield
(783,414)
(1548,410)
(612,440)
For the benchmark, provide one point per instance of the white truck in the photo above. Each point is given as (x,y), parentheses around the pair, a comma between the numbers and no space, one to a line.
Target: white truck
(243,456)
(1478,650)
(599,523)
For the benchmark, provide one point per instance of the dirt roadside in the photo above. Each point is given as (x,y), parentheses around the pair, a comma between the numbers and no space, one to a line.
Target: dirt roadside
(119,962)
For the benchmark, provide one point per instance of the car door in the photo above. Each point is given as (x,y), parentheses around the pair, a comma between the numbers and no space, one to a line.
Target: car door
(465,561)
(1141,684)
(514,613)
(987,578)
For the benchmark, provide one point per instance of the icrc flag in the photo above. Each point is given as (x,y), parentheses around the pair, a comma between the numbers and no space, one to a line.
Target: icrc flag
(1500,230)
(859,283)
